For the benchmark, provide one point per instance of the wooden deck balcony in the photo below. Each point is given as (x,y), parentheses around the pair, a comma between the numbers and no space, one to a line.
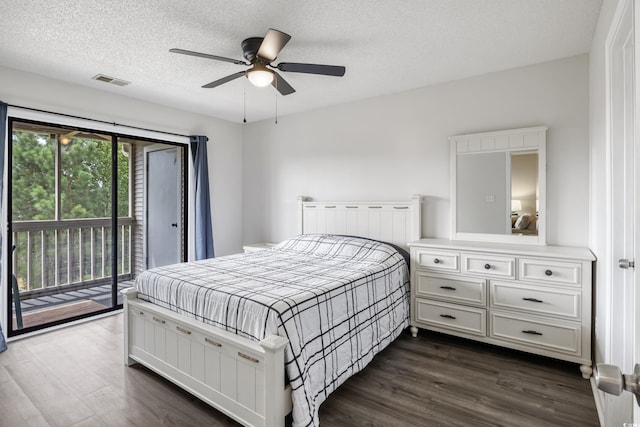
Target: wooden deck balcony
(63,268)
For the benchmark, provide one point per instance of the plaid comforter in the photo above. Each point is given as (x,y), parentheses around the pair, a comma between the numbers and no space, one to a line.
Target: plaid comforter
(339,300)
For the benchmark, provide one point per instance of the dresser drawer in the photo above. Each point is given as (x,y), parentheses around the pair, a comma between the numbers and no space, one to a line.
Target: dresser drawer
(561,336)
(536,299)
(489,265)
(542,270)
(471,291)
(436,260)
(464,319)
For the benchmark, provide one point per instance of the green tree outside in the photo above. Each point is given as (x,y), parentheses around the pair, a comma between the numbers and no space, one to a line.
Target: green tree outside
(85,178)
(85,192)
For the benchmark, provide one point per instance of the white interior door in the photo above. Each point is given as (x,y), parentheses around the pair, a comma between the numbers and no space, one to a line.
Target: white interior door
(163,225)
(624,300)
(635,142)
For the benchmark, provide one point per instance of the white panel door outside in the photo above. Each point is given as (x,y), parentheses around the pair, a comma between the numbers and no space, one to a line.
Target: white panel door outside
(163,227)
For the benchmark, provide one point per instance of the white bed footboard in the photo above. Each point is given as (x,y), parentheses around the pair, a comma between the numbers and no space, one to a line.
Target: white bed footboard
(243,379)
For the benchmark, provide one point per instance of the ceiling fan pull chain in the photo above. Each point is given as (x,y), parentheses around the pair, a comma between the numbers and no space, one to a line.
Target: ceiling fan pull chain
(276,95)
(244,101)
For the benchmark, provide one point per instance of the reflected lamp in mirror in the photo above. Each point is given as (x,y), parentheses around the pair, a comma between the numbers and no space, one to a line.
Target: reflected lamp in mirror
(516,206)
(498,186)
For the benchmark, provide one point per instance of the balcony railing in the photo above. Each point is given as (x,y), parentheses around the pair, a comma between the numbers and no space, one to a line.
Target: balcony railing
(54,254)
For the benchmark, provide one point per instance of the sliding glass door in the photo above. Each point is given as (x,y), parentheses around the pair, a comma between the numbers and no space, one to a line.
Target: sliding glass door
(78,219)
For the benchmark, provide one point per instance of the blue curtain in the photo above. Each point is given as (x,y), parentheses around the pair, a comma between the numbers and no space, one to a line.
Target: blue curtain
(3,133)
(204,232)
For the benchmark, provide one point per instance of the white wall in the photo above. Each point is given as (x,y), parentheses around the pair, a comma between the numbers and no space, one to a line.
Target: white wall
(224,147)
(391,147)
(599,173)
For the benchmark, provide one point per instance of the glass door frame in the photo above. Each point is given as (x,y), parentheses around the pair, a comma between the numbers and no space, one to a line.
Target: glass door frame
(115,138)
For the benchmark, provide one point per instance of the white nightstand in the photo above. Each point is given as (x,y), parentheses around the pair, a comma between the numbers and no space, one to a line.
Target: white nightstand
(257,247)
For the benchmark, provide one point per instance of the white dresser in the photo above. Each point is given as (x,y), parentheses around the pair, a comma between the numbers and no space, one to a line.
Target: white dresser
(526,297)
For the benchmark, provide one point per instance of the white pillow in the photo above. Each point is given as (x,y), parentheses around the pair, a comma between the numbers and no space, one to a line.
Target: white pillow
(523,221)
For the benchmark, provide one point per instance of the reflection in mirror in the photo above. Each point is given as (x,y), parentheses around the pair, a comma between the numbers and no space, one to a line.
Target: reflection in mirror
(498,186)
(524,193)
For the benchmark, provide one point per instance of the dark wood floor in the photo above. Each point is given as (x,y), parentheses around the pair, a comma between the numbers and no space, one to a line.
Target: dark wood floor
(75,377)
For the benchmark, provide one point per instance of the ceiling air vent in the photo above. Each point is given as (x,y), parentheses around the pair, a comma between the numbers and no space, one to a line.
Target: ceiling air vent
(112,80)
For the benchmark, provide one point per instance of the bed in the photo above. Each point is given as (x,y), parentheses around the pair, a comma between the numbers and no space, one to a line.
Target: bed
(269,317)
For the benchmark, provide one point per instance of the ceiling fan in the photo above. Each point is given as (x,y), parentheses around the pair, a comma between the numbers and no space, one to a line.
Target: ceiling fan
(260,52)
(67,138)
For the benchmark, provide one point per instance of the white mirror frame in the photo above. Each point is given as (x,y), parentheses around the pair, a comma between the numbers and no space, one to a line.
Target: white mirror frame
(512,140)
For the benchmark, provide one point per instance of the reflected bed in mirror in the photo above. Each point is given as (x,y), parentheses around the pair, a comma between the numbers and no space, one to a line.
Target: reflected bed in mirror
(498,186)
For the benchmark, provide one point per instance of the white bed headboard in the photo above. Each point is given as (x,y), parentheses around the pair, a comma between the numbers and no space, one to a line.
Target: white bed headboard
(393,222)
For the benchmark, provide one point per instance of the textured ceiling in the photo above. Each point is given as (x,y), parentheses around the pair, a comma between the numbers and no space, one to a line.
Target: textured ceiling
(387,46)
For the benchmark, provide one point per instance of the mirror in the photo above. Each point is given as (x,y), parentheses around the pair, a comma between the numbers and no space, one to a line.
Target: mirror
(498,186)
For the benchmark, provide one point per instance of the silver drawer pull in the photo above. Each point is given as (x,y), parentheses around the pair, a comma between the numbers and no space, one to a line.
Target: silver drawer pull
(449,288)
(249,358)
(329,207)
(351,207)
(401,207)
(310,206)
(448,316)
(183,330)
(159,320)
(141,313)
(375,207)
(532,299)
(436,261)
(548,272)
(487,266)
(212,342)
(530,332)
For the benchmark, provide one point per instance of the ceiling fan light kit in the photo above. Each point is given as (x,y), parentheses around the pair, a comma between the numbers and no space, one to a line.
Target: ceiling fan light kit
(259,75)
(260,52)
